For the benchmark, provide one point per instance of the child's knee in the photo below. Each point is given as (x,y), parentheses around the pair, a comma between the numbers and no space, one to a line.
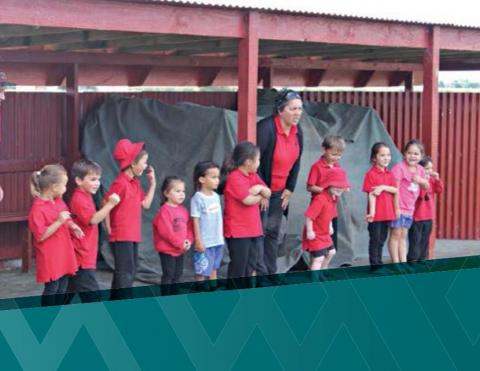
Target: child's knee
(332,253)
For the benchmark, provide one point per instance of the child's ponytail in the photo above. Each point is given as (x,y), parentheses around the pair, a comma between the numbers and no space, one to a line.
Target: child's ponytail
(46,177)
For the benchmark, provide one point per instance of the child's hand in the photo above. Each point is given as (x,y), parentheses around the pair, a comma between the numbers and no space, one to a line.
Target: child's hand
(330,229)
(369,218)
(417,179)
(199,246)
(266,192)
(264,204)
(377,190)
(150,174)
(310,235)
(63,216)
(76,230)
(435,175)
(113,199)
(397,213)
(186,245)
(255,190)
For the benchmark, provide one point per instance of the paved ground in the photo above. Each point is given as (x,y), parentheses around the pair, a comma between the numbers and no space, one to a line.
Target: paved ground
(14,283)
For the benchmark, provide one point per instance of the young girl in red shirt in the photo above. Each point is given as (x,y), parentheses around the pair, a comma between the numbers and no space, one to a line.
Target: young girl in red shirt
(50,223)
(243,193)
(172,232)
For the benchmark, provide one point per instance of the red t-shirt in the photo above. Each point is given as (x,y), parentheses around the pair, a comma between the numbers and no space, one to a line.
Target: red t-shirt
(171,227)
(285,154)
(384,204)
(322,210)
(126,217)
(317,174)
(55,256)
(241,220)
(425,204)
(86,248)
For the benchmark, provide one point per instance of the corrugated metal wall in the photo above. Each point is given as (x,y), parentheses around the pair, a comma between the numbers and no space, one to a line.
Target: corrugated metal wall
(34,132)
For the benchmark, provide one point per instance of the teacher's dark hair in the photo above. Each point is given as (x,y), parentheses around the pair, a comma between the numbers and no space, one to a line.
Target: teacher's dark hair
(283,98)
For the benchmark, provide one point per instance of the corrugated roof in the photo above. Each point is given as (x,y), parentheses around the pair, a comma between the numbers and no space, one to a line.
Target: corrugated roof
(457,13)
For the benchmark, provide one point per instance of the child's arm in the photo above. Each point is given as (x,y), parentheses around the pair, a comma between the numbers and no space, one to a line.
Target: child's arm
(396,203)
(384,188)
(102,214)
(260,189)
(52,228)
(309,228)
(314,189)
(437,183)
(147,201)
(372,201)
(422,182)
(252,200)
(199,246)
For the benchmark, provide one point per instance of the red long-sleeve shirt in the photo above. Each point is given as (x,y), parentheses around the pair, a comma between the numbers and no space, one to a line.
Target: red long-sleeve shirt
(425,204)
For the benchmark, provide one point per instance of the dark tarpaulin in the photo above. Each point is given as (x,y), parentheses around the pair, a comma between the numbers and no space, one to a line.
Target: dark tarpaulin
(178,136)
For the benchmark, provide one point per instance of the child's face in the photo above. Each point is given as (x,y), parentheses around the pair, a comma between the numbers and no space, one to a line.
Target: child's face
(139,167)
(90,183)
(253,165)
(413,155)
(58,189)
(428,168)
(383,157)
(211,179)
(332,155)
(176,193)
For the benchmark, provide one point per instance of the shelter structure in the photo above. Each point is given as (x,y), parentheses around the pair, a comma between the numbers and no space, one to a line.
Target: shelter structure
(175,43)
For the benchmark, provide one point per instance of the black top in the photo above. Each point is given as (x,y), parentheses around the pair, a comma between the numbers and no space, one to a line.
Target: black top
(266,140)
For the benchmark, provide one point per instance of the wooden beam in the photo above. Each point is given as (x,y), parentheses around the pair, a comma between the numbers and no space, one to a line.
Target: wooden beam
(124,59)
(274,26)
(111,15)
(73,115)
(56,75)
(137,75)
(265,75)
(247,80)
(430,101)
(456,38)
(207,75)
(314,77)
(362,78)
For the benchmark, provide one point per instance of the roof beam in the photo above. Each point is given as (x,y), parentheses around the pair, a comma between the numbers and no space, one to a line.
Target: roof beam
(207,75)
(314,77)
(362,78)
(111,15)
(123,59)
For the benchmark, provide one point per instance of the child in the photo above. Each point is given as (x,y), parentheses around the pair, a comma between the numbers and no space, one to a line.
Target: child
(333,148)
(87,175)
(243,193)
(50,223)
(381,187)
(410,176)
(206,213)
(419,232)
(319,216)
(172,231)
(125,221)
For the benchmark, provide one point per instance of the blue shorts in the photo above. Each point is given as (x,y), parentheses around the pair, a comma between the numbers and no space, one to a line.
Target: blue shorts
(405,221)
(208,261)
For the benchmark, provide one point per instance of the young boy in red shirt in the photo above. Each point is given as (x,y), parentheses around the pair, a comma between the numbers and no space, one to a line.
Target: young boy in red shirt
(125,223)
(87,175)
(318,219)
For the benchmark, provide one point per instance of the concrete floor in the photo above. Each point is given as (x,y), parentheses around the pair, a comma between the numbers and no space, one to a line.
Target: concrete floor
(14,283)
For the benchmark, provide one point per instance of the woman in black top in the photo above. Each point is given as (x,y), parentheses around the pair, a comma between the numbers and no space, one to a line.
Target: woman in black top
(281,143)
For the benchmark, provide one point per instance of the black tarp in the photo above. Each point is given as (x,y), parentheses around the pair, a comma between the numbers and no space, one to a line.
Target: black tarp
(178,136)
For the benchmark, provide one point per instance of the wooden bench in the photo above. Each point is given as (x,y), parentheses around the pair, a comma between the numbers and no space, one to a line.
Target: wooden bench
(26,241)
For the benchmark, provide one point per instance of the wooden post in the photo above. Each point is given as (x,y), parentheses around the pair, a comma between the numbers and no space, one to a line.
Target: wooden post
(430,105)
(248,80)
(73,114)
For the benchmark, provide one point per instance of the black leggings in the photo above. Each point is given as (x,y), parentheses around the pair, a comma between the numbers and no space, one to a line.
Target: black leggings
(54,292)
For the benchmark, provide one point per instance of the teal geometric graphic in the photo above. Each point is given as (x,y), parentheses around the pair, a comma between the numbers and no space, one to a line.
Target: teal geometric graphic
(41,321)
(257,355)
(75,359)
(7,357)
(309,299)
(213,311)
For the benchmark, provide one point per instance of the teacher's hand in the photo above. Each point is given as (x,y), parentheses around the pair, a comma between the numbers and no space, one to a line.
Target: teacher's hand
(285,198)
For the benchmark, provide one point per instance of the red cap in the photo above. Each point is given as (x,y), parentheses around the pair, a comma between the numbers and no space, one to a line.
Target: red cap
(335,177)
(125,152)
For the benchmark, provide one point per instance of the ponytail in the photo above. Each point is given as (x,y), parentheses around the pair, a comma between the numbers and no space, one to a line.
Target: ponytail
(46,177)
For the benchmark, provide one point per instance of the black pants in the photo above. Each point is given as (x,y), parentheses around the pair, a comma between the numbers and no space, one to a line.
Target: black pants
(54,292)
(272,221)
(125,255)
(335,232)
(378,232)
(243,256)
(172,268)
(418,240)
(85,284)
